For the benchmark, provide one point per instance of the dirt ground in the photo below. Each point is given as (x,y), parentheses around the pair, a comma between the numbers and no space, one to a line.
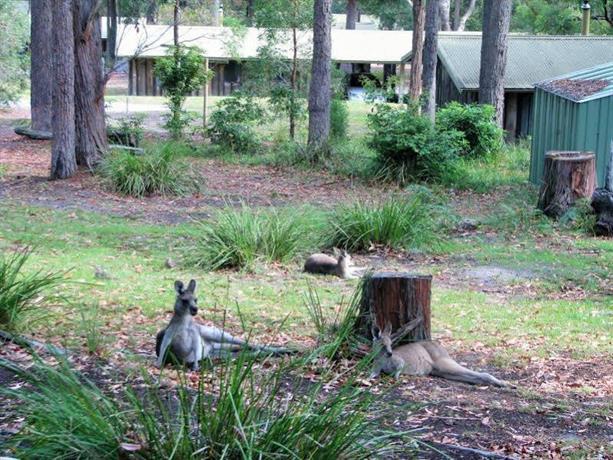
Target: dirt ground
(546,417)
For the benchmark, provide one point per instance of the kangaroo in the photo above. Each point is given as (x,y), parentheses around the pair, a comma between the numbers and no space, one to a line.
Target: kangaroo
(423,358)
(189,342)
(326,265)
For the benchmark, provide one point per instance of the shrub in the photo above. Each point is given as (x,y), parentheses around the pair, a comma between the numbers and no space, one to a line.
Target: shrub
(157,171)
(408,146)
(476,122)
(127,130)
(237,238)
(231,124)
(339,119)
(23,295)
(400,223)
(580,217)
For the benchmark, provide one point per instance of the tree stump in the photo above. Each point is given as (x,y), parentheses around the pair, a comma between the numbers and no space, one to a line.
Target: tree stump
(568,176)
(396,299)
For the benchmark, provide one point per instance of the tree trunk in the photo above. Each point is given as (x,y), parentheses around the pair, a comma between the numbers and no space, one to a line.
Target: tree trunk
(175,24)
(215,12)
(457,11)
(419,19)
(152,12)
(602,202)
(111,27)
(250,12)
(41,95)
(320,91)
(293,81)
(91,140)
(352,14)
(445,14)
(430,58)
(460,21)
(496,20)
(396,299)
(568,176)
(63,160)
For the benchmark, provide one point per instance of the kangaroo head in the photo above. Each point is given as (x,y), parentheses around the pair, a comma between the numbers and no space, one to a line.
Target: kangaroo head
(186,302)
(383,338)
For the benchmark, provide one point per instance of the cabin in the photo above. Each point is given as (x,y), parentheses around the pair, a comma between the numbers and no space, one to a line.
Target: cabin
(225,49)
(530,59)
(574,112)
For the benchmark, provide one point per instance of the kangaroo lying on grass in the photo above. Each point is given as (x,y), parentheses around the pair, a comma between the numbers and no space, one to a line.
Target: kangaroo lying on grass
(423,358)
(189,342)
(327,265)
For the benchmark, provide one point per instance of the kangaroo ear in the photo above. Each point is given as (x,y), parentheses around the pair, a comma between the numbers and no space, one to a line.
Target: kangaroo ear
(388,329)
(336,252)
(375,331)
(179,287)
(191,287)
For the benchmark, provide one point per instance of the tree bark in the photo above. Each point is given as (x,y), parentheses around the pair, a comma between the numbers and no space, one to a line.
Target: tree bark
(445,14)
(293,81)
(568,176)
(419,18)
(460,21)
(396,299)
(175,24)
(250,12)
(63,160)
(215,12)
(352,14)
(152,12)
(320,91)
(430,57)
(496,21)
(91,140)
(111,27)
(41,91)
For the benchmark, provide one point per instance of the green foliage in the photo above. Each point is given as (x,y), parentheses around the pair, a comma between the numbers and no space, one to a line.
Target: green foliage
(237,238)
(23,296)
(128,130)
(392,14)
(14,59)
(408,146)
(400,223)
(580,217)
(157,171)
(181,73)
(231,124)
(339,119)
(476,123)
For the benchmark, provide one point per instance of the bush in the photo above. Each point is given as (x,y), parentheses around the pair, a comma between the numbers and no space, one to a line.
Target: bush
(231,124)
(408,146)
(127,130)
(399,223)
(239,237)
(339,119)
(157,171)
(476,123)
(21,295)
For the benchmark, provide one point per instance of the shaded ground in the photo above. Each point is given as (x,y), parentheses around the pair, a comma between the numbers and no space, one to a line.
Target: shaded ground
(561,408)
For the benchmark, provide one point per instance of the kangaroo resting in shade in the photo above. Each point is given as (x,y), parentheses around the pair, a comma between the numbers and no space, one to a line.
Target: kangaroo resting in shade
(423,358)
(189,342)
(327,265)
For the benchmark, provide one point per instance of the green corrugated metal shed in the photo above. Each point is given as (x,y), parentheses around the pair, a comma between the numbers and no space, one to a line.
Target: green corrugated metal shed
(574,112)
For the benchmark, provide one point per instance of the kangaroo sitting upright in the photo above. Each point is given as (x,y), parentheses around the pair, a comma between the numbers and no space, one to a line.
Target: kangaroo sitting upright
(423,358)
(326,265)
(189,342)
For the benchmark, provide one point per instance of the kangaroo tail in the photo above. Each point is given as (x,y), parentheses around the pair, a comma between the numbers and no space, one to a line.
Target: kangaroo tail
(450,370)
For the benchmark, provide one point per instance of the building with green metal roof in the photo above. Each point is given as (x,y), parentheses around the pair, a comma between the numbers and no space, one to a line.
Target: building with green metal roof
(574,112)
(530,59)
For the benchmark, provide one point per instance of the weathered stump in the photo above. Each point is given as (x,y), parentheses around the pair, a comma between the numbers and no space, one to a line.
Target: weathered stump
(396,299)
(568,176)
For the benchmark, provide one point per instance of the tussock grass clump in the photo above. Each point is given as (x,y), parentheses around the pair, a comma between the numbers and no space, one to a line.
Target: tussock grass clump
(22,295)
(238,237)
(242,413)
(399,223)
(158,171)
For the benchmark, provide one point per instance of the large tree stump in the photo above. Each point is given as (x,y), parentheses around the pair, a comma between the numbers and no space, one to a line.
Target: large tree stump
(396,299)
(568,176)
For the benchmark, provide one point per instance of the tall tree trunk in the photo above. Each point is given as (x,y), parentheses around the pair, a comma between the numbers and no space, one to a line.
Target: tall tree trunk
(250,12)
(41,94)
(320,90)
(419,19)
(445,14)
(460,23)
(111,34)
(215,12)
(152,12)
(352,14)
(496,20)
(175,23)
(430,58)
(457,12)
(63,160)
(294,78)
(91,140)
